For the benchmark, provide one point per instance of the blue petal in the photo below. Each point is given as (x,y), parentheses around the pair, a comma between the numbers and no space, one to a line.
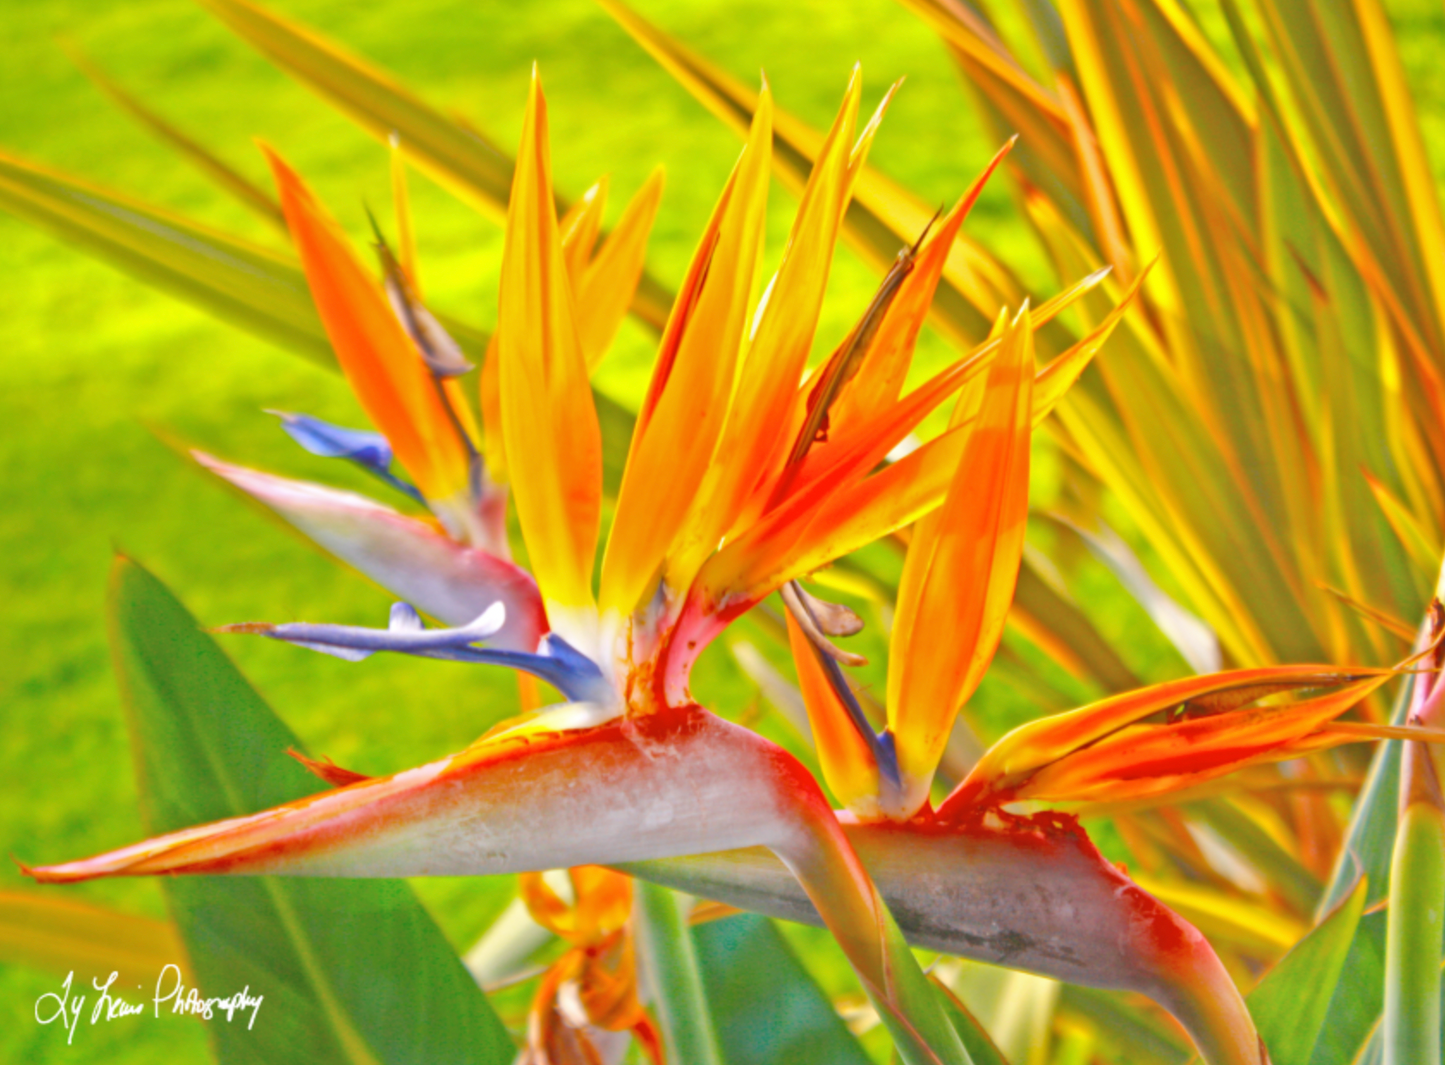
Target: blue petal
(885,755)
(557,662)
(334,441)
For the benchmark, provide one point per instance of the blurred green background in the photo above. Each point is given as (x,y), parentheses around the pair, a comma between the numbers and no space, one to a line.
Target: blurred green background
(93,362)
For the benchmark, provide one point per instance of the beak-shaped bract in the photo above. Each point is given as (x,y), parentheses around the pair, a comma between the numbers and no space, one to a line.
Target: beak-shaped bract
(407,556)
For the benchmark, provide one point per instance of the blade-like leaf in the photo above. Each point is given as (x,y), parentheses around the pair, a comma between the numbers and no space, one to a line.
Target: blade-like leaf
(48,931)
(1290,1003)
(250,286)
(208,747)
(765,1006)
(454,155)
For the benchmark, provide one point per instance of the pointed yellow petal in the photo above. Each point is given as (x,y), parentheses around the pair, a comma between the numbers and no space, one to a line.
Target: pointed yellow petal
(579,228)
(489,384)
(549,425)
(963,563)
(401,208)
(828,515)
(382,365)
(778,353)
(682,415)
(606,284)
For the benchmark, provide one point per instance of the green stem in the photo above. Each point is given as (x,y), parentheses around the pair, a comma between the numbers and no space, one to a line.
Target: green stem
(1413,937)
(666,952)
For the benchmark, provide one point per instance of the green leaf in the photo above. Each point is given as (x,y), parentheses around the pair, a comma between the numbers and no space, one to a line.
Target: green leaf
(765,1006)
(351,971)
(1354,1013)
(1415,933)
(1290,1003)
(226,177)
(980,1047)
(1359,998)
(670,962)
(248,285)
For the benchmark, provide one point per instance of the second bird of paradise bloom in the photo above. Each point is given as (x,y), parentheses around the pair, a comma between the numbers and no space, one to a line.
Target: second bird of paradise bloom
(745,474)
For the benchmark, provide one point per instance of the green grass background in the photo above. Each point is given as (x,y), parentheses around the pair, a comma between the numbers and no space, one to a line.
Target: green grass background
(91,360)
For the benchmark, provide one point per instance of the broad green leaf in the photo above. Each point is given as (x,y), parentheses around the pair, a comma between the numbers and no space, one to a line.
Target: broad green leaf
(1365,853)
(764,1004)
(668,957)
(351,971)
(48,930)
(456,156)
(1290,1003)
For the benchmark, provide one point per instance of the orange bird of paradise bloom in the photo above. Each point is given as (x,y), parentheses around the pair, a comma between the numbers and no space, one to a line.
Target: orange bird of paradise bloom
(745,473)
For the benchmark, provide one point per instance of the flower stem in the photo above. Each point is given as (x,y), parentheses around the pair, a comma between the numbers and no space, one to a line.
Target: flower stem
(665,949)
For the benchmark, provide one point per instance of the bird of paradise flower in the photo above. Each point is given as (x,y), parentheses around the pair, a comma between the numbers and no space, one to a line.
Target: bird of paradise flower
(743,476)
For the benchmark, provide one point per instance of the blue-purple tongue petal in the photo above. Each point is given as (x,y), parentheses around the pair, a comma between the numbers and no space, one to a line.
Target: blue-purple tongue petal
(367,449)
(557,662)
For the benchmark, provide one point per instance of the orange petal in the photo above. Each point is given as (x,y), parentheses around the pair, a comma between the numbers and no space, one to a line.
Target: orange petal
(962,565)
(549,424)
(1013,760)
(1144,761)
(847,762)
(380,362)
(879,379)
(682,415)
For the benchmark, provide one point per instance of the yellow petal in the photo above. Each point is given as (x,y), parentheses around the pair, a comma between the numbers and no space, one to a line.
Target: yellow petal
(778,353)
(579,228)
(549,425)
(687,401)
(606,284)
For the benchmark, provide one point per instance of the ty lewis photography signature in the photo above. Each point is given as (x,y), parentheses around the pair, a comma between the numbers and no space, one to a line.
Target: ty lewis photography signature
(109,1006)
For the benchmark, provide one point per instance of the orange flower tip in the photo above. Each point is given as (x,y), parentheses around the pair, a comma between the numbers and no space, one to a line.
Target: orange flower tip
(328,770)
(26,870)
(244,628)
